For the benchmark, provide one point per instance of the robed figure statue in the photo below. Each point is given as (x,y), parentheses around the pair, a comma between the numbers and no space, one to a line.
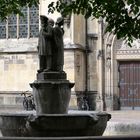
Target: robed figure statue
(58,51)
(45,44)
(50,45)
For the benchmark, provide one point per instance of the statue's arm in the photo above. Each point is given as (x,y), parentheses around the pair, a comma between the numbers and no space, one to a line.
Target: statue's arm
(63,30)
(48,33)
(55,32)
(39,43)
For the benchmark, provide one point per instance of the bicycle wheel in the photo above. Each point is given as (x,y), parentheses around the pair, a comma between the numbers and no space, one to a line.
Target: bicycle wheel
(25,104)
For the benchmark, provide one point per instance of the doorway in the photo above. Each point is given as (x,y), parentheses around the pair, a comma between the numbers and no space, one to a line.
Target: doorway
(129,85)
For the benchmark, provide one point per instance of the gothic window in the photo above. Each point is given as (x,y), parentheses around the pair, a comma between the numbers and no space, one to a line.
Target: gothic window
(12,26)
(23,24)
(26,26)
(3,29)
(34,22)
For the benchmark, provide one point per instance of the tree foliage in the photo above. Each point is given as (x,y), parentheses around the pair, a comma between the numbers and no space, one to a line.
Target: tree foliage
(8,7)
(122,16)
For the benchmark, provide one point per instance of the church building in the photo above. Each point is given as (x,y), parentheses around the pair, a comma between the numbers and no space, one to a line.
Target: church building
(106,71)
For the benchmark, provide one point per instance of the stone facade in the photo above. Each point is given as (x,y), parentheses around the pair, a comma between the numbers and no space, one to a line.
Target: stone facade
(19,60)
(119,52)
(91,61)
(19,65)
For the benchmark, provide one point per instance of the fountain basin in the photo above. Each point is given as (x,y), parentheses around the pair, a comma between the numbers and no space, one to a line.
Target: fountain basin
(53,125)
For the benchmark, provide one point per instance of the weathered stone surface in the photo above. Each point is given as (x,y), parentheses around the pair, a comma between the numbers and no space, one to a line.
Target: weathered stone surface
(51,75)
(76,138)
(53,125)
(52,96)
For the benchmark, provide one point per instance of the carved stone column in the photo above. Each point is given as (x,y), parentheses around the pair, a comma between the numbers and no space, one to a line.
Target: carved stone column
(52,93)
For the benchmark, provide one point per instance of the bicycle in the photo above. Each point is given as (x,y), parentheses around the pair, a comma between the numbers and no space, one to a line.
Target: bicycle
(28,101)
(83,103)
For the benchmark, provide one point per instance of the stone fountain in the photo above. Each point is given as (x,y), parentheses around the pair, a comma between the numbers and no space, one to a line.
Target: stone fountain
(52,93)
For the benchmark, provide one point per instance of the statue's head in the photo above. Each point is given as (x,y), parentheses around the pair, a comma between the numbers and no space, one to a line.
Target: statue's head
(51,22)
(60,21)
(44,19)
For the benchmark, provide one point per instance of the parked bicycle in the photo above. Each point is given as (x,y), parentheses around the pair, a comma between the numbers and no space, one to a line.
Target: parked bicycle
(28,101)
(83,103)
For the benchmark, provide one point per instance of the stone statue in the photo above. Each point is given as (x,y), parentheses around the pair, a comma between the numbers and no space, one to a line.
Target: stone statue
(108,51)
(58,50)
(42,44)
(49,45)
(45,44)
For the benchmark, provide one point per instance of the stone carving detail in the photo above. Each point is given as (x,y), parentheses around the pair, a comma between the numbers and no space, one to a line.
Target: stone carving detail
(50,45)
(78,63)
(135,45)
(108,51)
(110,39)
(58,54)
(51,90)
(127,50)
(108,55)
(108,63)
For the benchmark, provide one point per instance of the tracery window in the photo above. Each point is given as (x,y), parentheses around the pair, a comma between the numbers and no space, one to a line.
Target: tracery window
(26,26)
(2,29)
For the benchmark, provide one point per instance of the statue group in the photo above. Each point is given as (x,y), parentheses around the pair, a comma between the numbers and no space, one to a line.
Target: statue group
(50,45)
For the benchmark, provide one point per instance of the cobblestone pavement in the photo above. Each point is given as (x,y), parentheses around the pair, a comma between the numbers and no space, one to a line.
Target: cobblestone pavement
(125,116)
(123,123)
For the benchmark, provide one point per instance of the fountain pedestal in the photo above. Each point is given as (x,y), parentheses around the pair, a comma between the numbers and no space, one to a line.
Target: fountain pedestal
(73,124)
(52,93)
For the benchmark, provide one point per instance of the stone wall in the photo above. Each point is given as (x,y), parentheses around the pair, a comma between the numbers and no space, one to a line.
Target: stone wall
(18,68)
(17,71)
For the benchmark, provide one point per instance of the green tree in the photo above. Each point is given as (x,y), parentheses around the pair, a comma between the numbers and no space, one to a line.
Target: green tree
(122,16)
(8,7)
